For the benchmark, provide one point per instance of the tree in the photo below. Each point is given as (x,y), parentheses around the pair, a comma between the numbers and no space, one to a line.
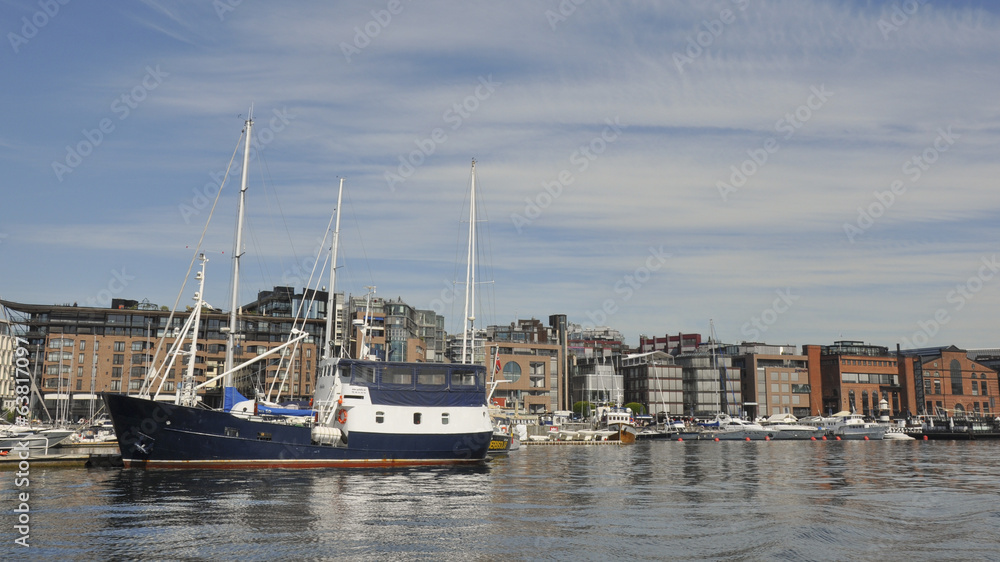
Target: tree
(583,408)
(636,407)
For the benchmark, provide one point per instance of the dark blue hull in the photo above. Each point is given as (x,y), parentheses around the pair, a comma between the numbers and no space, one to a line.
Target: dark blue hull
(155,434)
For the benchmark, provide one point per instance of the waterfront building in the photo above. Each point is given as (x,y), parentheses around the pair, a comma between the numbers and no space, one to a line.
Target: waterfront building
(674,345)
(413,335)
(655,380)
(8,369)
(952,384)
(532,358)
(711,385)
(774,379)
(856,377)
(597,380)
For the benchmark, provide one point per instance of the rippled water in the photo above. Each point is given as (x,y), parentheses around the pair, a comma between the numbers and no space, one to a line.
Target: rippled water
(658,501)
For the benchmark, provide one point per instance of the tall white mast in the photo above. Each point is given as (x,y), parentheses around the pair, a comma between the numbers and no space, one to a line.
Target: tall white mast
(331,303)
(469,323)
(237,252)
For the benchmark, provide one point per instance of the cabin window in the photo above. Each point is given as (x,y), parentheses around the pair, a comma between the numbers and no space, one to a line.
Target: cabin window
(444,419)
(416,418)
(379,417)
(432,375)
(397,375)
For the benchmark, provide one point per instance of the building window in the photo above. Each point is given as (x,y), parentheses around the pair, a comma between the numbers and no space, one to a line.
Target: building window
(937,387)
(119,346)
(864,402)
(975,388)
(955,369)
(850,401)
(512,371)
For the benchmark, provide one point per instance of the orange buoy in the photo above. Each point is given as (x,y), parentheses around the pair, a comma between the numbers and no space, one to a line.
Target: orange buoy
(766,438)
(866,438)
(748,438)
(925,438)
(716,438)
(680,438)
(838,438)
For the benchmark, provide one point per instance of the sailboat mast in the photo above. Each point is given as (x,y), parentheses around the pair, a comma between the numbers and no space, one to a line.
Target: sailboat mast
(469,322)
(237,253)
(331,302)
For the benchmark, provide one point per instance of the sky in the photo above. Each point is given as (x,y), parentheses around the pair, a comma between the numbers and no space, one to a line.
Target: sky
(788,172)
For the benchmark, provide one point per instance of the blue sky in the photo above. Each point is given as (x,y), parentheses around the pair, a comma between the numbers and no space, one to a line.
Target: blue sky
(797,172)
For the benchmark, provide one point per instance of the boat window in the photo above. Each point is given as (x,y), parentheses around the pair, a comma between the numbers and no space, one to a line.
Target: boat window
(379,417)
(232,432)
(432,375)
(444,419)
(416,418)
(401,375)
(363,374)
(462,377)
(263,436)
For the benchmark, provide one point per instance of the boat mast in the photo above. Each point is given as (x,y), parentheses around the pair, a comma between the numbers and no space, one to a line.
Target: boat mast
(331,302)
(468,329)
(237,253)
(186,393)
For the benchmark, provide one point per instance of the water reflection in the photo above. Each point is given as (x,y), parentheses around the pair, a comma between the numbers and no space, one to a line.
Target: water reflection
(785,500)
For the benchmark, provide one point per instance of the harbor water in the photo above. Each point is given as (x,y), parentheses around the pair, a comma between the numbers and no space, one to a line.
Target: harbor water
(653,500)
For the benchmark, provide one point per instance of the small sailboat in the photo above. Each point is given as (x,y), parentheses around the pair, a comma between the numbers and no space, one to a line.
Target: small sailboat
(363,412)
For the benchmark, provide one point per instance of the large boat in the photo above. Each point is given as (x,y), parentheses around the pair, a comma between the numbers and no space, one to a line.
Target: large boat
(363,412)
(848,426)
(787,427)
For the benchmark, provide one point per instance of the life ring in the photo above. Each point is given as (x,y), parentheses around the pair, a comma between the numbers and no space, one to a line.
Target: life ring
(342,416)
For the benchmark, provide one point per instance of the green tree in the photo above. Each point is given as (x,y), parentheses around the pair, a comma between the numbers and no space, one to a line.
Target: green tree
(636,407)
(583,408)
